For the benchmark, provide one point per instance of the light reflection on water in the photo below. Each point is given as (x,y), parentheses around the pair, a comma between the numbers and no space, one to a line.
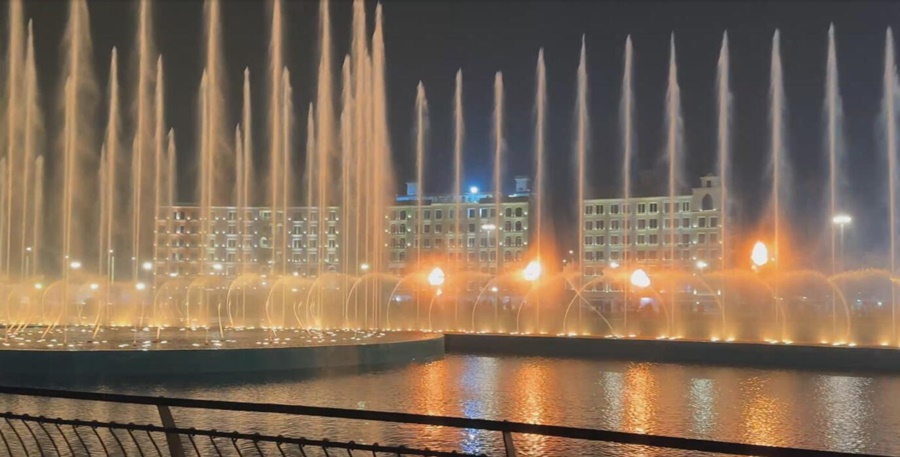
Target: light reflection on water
(800,409)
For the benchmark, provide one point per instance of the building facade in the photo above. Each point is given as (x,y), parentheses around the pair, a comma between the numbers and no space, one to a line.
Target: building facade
(473,230)
(656,231)
(485,235)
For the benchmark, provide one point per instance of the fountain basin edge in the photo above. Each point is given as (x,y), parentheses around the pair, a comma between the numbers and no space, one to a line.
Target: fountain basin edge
(741,354)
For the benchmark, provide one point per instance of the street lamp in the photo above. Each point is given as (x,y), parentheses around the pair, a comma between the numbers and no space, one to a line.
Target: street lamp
(75,265)
(436,277)
(640,279)
(532,271)
(147,266)
(364,267)
(140,286)
(701,265)
(760,254)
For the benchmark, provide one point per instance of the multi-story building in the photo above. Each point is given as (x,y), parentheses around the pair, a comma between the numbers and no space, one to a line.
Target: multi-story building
(473,230)
(239,241)
(307,243)
(655,231)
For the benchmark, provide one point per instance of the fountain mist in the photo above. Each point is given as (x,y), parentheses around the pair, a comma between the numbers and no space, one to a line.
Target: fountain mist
(276,149)
(142,158)
(245,164)
(33,131)
(674,135)
(776,117)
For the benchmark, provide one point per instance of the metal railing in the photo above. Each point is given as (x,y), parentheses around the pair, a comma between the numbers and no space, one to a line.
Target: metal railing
(23,434)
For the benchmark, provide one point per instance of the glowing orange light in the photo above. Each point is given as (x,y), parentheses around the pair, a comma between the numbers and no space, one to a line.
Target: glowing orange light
(760,254)
(532,271)
(436,277)
(640,278)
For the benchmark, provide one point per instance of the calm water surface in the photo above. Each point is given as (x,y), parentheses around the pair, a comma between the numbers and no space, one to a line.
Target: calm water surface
(858,413)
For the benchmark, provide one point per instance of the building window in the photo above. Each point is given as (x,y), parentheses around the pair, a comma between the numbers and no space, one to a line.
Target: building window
(685,207)
(265,215)
(332,230)
(471,228)
(654,239)
(438,214)
(701,222)
(507,256)
(438,228)
(713,238)
(471,213)
(686,223)
(403,215)
(508,241)
(613,209)
(471,242)
(601,240)
(707,203)
(589,240)
(642,208)
(297,244)
(428,244)
(482,256)
(484,242)
(518,226)
(426,228)
(507,226)
(601,225)
(484,213)
(685,239)
(614,240)
(518,241)
(589,210)
(232,216)
(713,222)
(614,224)
(654,208)
(519,212)
(589,225)
(427,214)
(508,212)
(642,224)
(654,224)
(402,228)
(641,239)
(701,238)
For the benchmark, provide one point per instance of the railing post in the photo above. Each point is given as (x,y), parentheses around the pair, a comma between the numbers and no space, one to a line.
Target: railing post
(510,446)
(172,439)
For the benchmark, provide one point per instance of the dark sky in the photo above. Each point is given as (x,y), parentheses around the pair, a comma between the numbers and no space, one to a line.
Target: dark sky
(429,40)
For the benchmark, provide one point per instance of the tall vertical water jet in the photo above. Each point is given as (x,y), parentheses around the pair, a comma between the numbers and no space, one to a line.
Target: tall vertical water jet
(246,167)
(37,216)
(382,178)
(421,131)
(498,163)
(723,146)
(347,190)
(581,132)
(111,146)
(286,110)
(310,183)
(218,158)
(776,117)
(458,134)
(833,133)
(540,130)
(33,127)
(142,154)
(673,145)
(382,175)
(626,123)
(15,63)
(456,244)
(674,131)
(276,64)
(171,188)
(361,112)
(78,148)
(889,117)
(325,125)
(205,193)
(833,138)
(159,156)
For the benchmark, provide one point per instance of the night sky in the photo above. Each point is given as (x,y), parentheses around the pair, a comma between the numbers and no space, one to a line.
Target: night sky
(430,40)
